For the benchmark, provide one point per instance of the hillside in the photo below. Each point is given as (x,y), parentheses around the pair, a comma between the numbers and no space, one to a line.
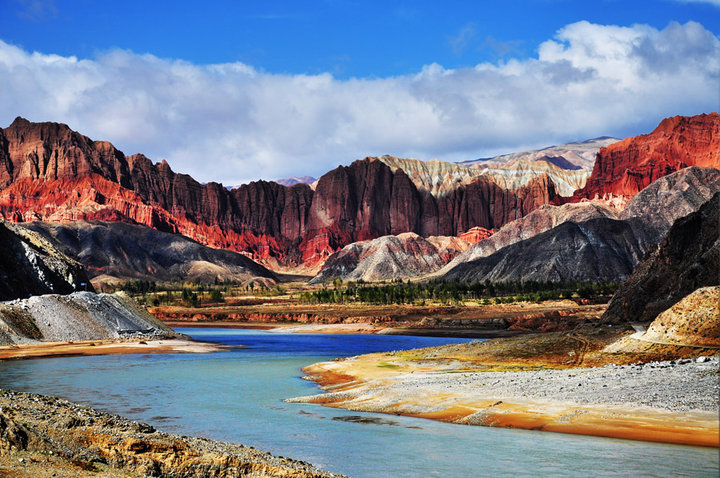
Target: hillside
(643,222)
(121,250)
(628,166)
(78,316)
(688,258)
(31,265)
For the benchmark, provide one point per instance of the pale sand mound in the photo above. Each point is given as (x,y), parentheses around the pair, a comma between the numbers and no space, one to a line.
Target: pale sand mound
(691,322)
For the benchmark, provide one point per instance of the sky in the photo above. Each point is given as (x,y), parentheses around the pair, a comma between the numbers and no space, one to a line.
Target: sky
(234,91)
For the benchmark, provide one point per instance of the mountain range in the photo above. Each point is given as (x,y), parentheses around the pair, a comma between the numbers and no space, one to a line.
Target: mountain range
(50,173)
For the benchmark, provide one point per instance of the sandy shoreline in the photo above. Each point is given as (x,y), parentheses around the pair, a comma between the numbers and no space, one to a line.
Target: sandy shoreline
(629,402)
(106,347)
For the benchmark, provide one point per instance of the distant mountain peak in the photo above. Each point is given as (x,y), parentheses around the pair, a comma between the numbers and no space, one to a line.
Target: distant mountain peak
(296,180)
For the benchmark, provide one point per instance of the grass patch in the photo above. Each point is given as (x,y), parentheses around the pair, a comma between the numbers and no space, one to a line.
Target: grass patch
(387,365)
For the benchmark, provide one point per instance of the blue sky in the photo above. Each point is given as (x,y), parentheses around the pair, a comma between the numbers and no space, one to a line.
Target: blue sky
(235,91)
(346,38)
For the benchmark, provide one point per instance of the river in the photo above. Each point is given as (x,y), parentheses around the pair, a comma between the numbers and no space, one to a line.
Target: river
(237,395)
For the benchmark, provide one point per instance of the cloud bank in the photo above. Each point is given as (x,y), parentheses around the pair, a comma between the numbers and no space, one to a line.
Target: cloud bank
(232,123)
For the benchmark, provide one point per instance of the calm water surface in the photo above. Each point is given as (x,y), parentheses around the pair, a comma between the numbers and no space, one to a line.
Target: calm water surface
(237,395)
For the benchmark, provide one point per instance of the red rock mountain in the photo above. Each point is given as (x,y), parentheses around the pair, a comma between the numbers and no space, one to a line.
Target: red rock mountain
(626,167)
(49,172)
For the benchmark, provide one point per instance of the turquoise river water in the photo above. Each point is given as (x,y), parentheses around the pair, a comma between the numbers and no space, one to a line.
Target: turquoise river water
(237,395)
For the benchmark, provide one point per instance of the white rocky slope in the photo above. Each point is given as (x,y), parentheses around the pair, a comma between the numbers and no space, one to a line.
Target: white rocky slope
(440,177)
(579,154)
(77,316)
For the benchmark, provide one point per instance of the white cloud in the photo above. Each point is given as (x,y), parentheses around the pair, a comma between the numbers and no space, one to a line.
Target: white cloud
(232,123)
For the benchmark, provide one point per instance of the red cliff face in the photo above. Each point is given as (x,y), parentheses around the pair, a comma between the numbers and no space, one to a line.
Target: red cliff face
(49,172)
(627,167)
(49,151)
(367,200)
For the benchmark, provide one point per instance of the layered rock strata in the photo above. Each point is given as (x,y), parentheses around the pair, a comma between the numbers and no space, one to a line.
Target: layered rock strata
(49,172)
(628,166)
(656,206)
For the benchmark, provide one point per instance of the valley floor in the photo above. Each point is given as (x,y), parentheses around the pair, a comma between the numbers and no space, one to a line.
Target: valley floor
(564,384)
(465,320)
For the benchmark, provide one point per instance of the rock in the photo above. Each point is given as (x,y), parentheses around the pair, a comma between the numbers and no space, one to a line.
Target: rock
(540,220)
(39,424)
(121,250)
(628,166)
(595,250)
(579,155)
(32,265)
(691,321)
(688,258)
(403,256)
(368,199)
(475,234)
(80,316)
(49,172)
(646,219)
(291,181)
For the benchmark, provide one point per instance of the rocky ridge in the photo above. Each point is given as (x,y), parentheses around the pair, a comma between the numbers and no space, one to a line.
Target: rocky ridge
(688,258)
(643,222)
(49,172)
(596,250)
(115,250)
(439,177)
(567,156)
(68,439)
(32,265)
(628,166)
(406,255)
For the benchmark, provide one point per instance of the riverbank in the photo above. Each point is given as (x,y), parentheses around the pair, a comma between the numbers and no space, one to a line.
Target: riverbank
(45,436)
(466,320)
(671,401)
(106,347)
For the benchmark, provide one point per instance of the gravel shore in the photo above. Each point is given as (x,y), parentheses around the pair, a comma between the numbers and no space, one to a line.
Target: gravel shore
(670,401)
(678,386)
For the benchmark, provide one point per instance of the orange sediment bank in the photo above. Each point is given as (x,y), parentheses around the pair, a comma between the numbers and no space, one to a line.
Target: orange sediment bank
(367,386)
(697,429)
(105,347)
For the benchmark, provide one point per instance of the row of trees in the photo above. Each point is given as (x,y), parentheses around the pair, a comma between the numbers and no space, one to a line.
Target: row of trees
(398,292)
